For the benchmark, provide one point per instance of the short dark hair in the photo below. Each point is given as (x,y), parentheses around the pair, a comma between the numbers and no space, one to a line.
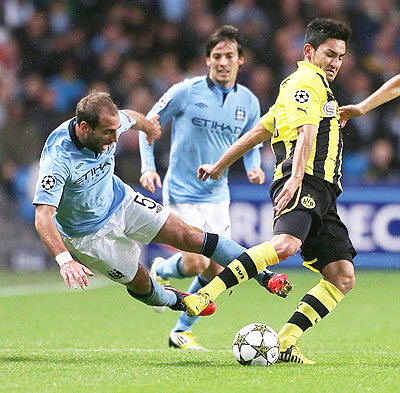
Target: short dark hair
(322,29)
(90,107)
(225,33)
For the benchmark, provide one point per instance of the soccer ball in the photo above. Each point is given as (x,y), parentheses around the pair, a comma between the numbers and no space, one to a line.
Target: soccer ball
(256,344)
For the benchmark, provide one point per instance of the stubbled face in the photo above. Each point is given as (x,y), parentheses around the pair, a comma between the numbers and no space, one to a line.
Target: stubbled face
(224,63)
(328,56)
(105,134)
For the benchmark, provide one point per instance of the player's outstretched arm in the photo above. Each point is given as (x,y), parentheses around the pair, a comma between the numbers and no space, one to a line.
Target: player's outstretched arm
(387,92)
(70,270)
(244,144)
(150,179)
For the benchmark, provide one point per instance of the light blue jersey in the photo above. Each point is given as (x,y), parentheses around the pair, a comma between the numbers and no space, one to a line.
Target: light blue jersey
(206,120)
(80,183)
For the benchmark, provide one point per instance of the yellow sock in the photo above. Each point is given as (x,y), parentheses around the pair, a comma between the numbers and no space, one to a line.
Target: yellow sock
(315,305)
(246,266)
(263,255)
(214,288)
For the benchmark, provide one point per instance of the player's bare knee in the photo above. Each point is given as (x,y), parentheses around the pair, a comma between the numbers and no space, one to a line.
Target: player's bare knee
(341,275)
(192,239)
(285,245)
(346,282)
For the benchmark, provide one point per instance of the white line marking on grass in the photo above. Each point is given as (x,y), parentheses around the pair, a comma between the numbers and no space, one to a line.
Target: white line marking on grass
(43,288)
(148,350)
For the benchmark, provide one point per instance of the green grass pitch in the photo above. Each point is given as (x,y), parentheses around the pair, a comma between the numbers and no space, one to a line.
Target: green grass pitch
(101,340)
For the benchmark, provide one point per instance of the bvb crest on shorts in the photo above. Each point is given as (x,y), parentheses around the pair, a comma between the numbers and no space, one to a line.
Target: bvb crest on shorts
(308,202)
(240,113)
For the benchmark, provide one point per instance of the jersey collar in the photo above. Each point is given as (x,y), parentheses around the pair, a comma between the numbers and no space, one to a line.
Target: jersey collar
(211,84)
(71,128)
(306,64)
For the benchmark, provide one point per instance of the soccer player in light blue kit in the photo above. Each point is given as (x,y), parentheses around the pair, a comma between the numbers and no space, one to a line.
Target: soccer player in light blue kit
(83,208)
(209,114)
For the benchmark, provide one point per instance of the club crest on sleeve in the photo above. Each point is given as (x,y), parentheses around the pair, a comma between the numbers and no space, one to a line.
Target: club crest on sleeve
(162,102)
(301,96)
(48,182)
(329,109)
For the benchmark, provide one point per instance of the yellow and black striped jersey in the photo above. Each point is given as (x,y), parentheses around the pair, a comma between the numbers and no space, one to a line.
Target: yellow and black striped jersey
(306,98)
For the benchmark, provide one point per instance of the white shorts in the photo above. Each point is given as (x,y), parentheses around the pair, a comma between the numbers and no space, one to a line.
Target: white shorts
(113,250)
(211,217)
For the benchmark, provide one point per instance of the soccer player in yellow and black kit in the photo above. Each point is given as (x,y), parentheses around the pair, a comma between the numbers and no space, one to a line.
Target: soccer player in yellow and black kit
(306,138)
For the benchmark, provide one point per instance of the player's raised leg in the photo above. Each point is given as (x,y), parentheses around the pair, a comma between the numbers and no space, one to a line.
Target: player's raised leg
(246,266)
(221,250)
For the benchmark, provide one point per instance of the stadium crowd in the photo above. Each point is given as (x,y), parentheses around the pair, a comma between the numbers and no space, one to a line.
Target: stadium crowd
(52,52)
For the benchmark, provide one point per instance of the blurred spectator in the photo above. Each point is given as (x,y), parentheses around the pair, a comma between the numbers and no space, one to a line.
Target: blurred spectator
(20,150)
(128,155)
(360,87)
(131,76)
(17,12)
(165,74)
(59,19)
(261,84)
(34,45)
(383,166)
(288,44)
(174,11)
(47,117)
(67,86)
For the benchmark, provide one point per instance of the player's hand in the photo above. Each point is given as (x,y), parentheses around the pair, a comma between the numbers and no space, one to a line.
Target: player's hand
(256,176)
(286,194)
(208,170)
(343,121)
(346,112)
(154,131)
(72,271)
(148,179)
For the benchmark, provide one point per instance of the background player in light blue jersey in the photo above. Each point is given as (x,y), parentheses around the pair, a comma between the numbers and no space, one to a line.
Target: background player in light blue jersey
(83,208)
(209,114)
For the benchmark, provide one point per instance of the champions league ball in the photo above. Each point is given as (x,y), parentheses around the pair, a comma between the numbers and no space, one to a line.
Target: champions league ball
(256,344)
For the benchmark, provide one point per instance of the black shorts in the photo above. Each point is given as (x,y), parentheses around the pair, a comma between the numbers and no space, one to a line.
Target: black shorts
(312,217)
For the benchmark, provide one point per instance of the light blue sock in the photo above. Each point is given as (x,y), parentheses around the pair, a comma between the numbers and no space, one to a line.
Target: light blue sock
(157,297)
(226,251)
(184,322)
(171,267)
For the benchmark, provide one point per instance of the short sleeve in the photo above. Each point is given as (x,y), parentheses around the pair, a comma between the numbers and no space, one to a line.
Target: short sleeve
(303,101)
(127,122)
(52,177)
